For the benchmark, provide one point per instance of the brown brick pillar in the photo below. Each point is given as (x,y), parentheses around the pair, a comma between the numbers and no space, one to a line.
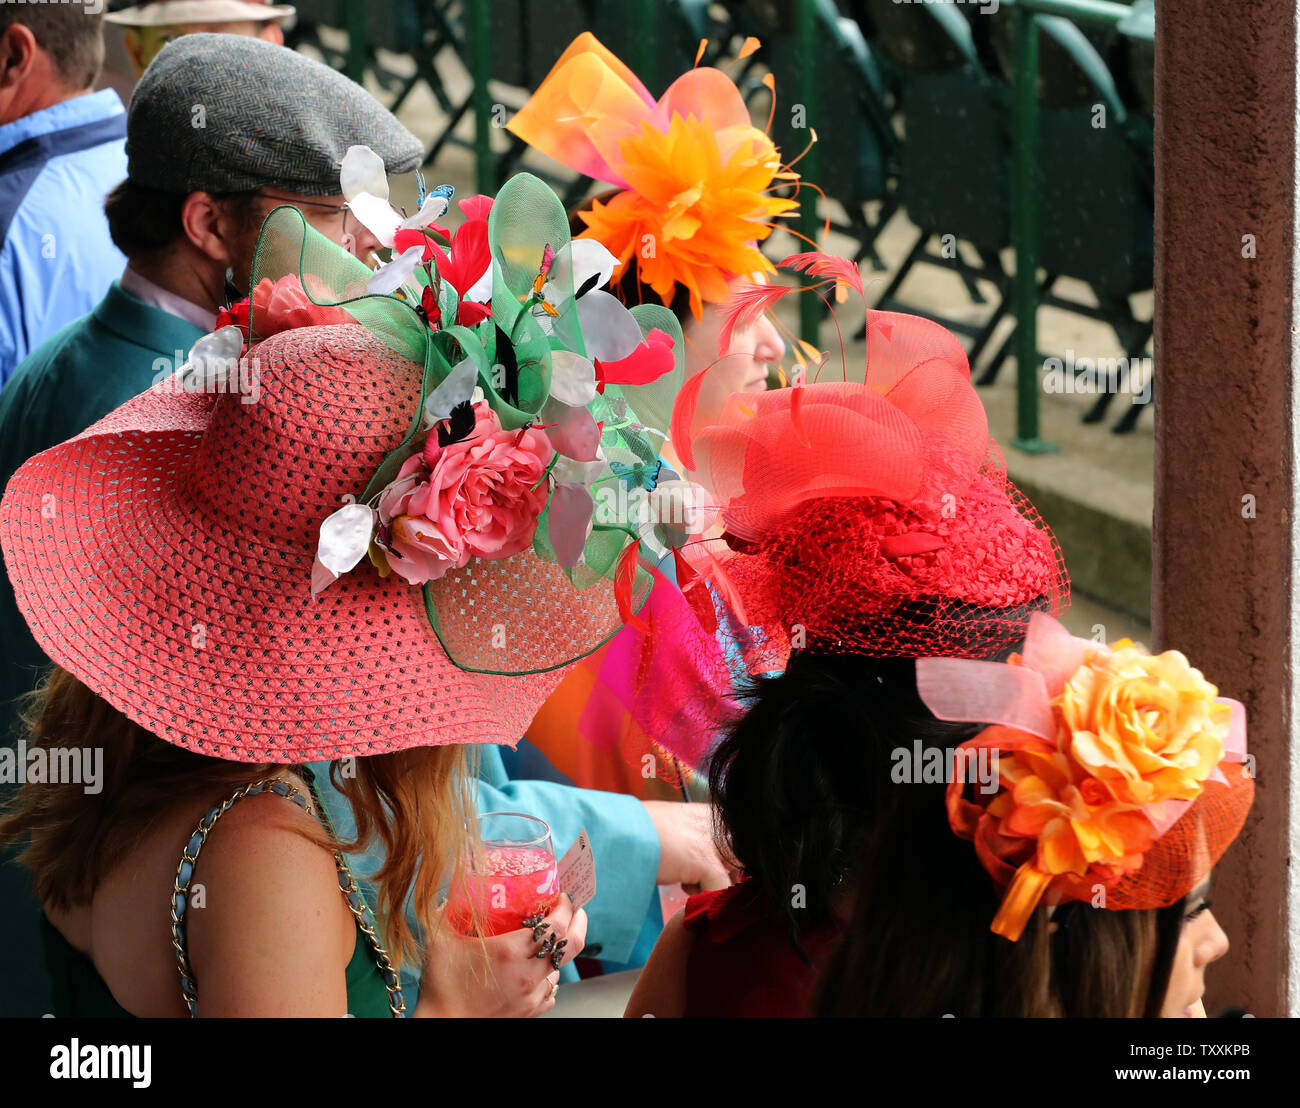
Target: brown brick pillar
(1222,580)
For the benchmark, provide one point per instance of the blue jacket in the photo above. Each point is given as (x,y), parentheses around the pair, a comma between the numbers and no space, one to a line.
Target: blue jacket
(57,259)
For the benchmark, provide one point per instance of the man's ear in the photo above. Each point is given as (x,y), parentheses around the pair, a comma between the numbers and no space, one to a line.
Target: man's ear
(134,50)
(18,51)
(209,226)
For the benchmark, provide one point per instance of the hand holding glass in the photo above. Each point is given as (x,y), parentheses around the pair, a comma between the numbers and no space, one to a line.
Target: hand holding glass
(513,876)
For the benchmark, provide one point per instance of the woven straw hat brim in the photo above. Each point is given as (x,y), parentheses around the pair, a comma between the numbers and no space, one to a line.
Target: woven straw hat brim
(131,581)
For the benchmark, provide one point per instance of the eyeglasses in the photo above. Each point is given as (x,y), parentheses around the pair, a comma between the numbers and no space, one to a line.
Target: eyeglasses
(297,203)
(307,203)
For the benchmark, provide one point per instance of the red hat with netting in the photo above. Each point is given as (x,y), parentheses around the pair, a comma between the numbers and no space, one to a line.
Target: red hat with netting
(869,514)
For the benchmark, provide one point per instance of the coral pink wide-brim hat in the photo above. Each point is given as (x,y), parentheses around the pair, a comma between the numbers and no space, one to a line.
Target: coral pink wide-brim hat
(164,558)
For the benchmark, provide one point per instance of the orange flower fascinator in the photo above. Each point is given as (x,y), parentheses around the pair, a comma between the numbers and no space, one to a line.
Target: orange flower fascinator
(696,174)
(1122,775)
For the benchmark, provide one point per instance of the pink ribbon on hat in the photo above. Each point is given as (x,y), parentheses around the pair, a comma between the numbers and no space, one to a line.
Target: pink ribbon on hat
(1020,697)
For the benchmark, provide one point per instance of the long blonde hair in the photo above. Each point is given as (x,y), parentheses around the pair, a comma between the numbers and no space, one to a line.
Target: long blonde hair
(417,803)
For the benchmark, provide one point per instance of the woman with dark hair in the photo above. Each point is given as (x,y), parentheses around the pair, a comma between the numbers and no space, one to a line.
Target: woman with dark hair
(882,563)
(865,524)
(1119,784)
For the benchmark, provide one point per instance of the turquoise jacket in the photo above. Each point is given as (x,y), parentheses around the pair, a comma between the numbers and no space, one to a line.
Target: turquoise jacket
(624,917)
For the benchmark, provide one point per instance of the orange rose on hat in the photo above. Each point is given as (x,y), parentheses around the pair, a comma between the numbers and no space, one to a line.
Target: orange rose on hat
(1118,770)
(1147,727)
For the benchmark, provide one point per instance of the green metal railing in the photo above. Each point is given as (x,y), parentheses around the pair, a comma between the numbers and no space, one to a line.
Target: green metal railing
(354,16)
(810,308)
(480,67)
(1024,194)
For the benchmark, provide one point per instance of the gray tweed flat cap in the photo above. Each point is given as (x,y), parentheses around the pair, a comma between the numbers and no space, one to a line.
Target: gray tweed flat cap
(228,113)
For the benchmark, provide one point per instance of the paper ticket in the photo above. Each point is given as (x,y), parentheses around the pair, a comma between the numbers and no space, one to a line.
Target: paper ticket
(576,874)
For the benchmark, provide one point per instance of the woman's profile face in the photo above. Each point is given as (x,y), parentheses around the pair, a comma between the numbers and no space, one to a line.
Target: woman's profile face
(1200,942)
(742,367)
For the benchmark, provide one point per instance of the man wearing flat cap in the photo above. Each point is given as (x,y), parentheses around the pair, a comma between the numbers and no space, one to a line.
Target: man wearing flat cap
(213,144)
(147,28)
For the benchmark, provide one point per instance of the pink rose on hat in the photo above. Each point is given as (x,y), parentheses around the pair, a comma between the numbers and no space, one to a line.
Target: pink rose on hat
(412,543)
(477,497)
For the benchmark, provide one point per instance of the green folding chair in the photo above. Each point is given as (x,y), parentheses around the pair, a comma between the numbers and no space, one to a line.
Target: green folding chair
(955,155)
(1096,196)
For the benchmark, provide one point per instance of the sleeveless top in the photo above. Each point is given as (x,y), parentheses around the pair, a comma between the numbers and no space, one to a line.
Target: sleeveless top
(741,961)
(372,983)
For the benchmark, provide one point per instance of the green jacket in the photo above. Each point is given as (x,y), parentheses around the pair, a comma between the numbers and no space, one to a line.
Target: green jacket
(74,378)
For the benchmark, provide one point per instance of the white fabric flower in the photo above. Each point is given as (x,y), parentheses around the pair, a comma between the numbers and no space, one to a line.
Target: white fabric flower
(394,275)
(365,188)
(344,539)
(212,358)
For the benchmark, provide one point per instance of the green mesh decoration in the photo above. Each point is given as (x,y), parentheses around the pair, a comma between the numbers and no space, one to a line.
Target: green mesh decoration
(547,361)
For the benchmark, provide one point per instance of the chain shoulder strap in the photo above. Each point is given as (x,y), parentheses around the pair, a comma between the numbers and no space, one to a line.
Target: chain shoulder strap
(347,886)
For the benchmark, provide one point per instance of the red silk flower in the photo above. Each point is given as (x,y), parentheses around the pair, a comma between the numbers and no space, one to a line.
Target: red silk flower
(281,306)
(648,362)
(466,259)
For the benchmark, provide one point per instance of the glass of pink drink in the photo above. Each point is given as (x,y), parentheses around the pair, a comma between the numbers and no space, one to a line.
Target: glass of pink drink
(512,877)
